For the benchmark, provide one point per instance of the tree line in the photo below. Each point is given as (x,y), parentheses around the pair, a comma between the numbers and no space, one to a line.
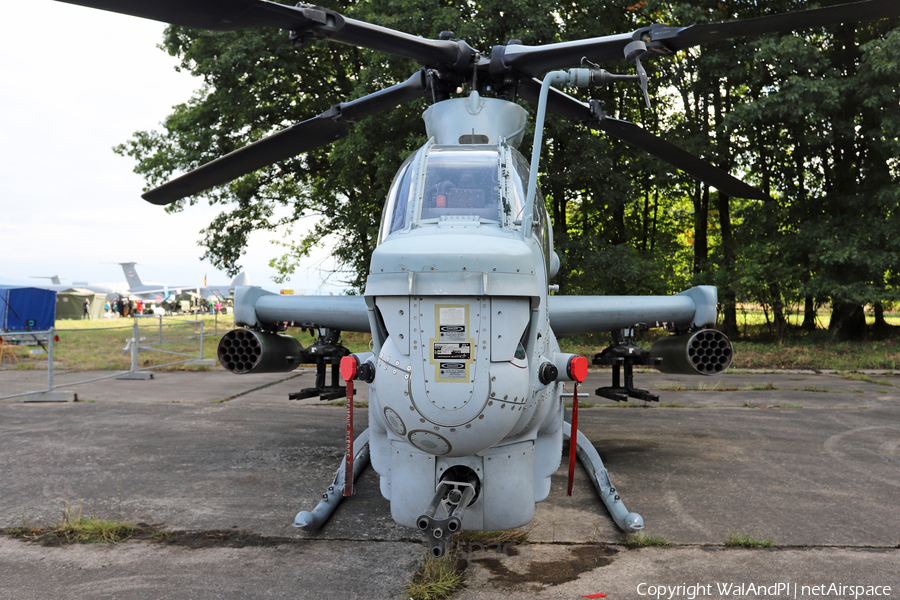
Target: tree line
(810,117)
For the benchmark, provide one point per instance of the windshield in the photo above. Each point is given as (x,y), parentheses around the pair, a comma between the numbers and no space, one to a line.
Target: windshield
(519,179)
(396,210)
(464,183)
(461,181)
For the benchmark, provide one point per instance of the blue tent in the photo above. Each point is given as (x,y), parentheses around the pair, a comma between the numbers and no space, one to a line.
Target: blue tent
(26,309)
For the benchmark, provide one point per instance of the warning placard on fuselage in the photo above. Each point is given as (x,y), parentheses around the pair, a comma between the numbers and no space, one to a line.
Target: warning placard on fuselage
(453,370)
(452,351)
(452,324)
(453,333)
(453,347)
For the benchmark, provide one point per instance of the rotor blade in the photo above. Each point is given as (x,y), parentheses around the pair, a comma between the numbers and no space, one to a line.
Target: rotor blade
(305,21)
(706,33)
(696,167)
(662,39)
(537,60)
(680,158)
(297,139)
(289,142)
(220,15)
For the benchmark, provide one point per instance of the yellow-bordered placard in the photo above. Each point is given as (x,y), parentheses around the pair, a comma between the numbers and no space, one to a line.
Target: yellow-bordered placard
(452,349)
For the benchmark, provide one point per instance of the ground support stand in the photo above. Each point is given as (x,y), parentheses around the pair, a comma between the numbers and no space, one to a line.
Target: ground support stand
(623,354)
(326,351)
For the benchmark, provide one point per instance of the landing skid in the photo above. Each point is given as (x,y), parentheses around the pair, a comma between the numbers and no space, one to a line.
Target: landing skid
(628,522)
(312,521)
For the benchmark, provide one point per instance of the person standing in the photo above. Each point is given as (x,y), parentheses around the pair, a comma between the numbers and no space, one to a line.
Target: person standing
(87,309)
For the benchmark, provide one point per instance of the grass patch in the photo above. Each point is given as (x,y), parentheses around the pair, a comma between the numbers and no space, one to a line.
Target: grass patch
(509,536)
(163,536)
(718,386)
(98,345)
(356,403)
(75,528)
(581,404)
(787,406)
(814,388)
(757,348)
(189,367)
(867,379)
(749,540)
(672,387)
(439,578)
(816,351)
(436,578)
(88,530)
(759,388)
(642,540)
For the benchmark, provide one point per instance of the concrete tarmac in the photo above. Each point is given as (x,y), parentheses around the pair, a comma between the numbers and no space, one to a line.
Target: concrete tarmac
(811,461)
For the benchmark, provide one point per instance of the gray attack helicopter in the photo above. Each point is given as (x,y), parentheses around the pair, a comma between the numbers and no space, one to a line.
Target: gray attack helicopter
(465,375)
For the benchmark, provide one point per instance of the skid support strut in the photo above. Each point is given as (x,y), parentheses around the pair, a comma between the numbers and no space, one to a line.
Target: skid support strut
(628,522)
(454,497)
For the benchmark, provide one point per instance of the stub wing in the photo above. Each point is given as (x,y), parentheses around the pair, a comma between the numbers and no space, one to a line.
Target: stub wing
(255,307)
(691,309)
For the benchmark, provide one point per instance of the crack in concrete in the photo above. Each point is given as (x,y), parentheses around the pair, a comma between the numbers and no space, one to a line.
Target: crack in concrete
(262,387)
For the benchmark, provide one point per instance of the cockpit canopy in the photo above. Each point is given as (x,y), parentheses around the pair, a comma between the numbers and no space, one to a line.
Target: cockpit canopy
(477,183)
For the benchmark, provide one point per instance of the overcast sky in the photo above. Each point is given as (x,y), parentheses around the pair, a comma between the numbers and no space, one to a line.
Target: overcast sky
(76,82)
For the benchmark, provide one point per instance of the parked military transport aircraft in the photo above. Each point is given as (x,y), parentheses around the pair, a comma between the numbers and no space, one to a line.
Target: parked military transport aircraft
(56,285)
(150,290)
(466,379)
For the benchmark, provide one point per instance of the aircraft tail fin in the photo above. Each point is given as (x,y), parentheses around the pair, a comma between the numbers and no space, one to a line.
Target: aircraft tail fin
(54,279)
(131,275)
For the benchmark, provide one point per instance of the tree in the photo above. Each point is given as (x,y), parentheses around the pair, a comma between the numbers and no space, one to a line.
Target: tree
(821,135)
(817,130)
(254,83)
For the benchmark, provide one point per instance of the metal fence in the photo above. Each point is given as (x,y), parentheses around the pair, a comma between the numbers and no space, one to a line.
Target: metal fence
(40,362)
(24,362)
